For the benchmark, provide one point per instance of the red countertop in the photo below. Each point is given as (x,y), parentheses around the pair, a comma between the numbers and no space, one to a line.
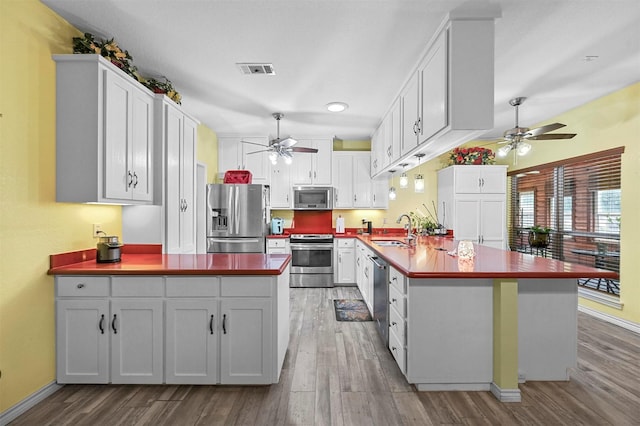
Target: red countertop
(181,264)
(428,260)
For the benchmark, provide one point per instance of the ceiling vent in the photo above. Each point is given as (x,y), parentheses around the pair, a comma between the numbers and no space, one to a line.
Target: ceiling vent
(255,68)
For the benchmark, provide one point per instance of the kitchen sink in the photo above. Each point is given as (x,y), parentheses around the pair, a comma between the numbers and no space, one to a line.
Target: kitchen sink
(390,243)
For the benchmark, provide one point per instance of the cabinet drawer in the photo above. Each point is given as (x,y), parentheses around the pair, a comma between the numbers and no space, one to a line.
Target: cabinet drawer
(346,242)
(246,286)
(82,286)
(277,242)
(397,324)
(397,280)
(398,301)
(193,286)
(137,286)
(398,352)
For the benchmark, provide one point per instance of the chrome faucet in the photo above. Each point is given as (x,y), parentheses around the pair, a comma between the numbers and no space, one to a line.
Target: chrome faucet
(410,235)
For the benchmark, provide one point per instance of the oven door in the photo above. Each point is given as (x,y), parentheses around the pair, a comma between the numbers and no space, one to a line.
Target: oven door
(310,258)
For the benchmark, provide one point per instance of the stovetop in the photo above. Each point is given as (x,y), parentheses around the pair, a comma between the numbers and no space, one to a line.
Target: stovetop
(311,236)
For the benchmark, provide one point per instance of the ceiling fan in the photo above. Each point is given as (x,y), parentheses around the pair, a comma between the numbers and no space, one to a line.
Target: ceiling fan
(281,147)
(516,138)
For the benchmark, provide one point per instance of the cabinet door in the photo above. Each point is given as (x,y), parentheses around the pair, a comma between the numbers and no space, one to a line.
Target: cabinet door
(173,135)
(188,184)
(377,150)
(410,115)
(343,178)
(191,335)
(246,355)
(467,180)
(361,181)
(255,159)
(118,176)
(346,265)
(380,193)
(228,158)
(434,89)
(493,227)
(302,166)
(136,341)
(280,190)
(467,220)
(142,145)
(82,341)
(494,180)
(322,161)
(396,131)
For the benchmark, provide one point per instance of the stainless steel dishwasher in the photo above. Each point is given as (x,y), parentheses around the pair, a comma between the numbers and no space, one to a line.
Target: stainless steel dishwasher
(381,297)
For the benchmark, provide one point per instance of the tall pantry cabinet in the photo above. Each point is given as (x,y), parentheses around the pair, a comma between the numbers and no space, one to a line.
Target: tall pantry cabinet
(472,201)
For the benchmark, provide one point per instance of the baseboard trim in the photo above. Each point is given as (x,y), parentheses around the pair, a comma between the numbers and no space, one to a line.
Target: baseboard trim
(21,407)
(600,297)
(506,395)
(628,325)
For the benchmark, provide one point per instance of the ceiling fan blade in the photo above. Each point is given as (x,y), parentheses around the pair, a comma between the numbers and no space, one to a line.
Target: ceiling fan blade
(551,136)
(253,143)
(284,142)
(256,152)
(303,149)
(544,129)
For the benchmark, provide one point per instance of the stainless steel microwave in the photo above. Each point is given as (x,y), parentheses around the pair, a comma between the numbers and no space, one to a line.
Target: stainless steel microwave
(312,198)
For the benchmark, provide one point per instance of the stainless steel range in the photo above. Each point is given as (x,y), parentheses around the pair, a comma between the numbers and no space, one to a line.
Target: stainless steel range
(312,260)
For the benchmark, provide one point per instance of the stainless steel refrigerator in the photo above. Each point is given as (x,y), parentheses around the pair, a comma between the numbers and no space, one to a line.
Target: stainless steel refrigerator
(238,218)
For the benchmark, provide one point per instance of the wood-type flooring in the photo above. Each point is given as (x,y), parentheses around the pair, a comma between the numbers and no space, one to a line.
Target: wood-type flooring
(340,373)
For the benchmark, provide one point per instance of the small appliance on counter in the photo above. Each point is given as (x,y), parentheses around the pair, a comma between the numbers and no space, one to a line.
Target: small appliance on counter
(108,249)
(277,226)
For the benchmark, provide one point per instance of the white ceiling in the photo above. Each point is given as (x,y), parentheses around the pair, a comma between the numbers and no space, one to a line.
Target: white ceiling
(359,52)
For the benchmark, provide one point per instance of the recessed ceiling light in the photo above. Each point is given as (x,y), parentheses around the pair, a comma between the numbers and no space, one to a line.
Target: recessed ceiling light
(337,106)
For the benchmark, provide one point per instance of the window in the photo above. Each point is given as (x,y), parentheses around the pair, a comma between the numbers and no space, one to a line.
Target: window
(526,200)
(607,212)
(580,200)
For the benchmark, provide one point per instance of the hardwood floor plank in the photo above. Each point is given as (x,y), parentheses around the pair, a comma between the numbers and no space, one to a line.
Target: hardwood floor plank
(219,407)
(301,408)
(355,409)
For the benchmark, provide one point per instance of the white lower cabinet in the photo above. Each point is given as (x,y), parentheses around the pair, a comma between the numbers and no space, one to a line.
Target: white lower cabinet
(136,341)
(278,246)
(346,261)
(177,330)
(246,344)
(192,329)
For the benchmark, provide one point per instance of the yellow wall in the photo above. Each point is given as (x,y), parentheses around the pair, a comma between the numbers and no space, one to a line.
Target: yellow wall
(207,151)
(32,224)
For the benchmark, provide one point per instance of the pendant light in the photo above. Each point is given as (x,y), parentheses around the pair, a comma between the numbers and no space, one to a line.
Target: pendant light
(418,182)
(404,179)
(392,189)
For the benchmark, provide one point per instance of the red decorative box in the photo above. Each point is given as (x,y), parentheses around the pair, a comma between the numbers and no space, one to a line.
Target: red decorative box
(237,176)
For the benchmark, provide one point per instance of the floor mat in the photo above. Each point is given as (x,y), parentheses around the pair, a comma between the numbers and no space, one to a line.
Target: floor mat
(351,310)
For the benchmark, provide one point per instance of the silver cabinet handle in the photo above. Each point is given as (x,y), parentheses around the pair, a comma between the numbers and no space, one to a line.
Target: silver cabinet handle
(130,178)
(136,182)
(81,285)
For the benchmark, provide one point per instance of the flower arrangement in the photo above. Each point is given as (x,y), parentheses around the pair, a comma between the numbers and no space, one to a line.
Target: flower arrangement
(166,87)
(473,155)
(108,49)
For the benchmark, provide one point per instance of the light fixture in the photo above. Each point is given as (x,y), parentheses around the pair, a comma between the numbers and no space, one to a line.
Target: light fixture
(503,151)
(337,106)
(518,147)
(418,182)
(273,156)
(392,190)
(404,179)
(523,148)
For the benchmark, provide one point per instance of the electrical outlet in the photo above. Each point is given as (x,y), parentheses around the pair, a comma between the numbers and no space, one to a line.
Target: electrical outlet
(97,230)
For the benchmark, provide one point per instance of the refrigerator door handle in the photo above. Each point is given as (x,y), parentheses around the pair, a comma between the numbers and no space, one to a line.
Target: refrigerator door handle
(229,211)
(237,211)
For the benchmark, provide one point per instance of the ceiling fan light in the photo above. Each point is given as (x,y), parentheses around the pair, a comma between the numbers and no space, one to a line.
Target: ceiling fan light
(288,160)
(523,148)
(503,151)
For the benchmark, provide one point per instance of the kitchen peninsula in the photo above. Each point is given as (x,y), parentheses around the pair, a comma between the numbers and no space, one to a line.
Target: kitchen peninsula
(485,323)
(181,319)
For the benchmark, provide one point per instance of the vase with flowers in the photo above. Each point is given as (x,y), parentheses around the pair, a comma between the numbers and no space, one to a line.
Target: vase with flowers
(474,155)
(108,49)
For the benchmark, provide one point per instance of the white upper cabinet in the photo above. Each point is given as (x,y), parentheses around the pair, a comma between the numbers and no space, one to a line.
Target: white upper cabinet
(354,186)
(280,191)
(480,180)
(233,154)
(309,168)
(448,99)
(104,133)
